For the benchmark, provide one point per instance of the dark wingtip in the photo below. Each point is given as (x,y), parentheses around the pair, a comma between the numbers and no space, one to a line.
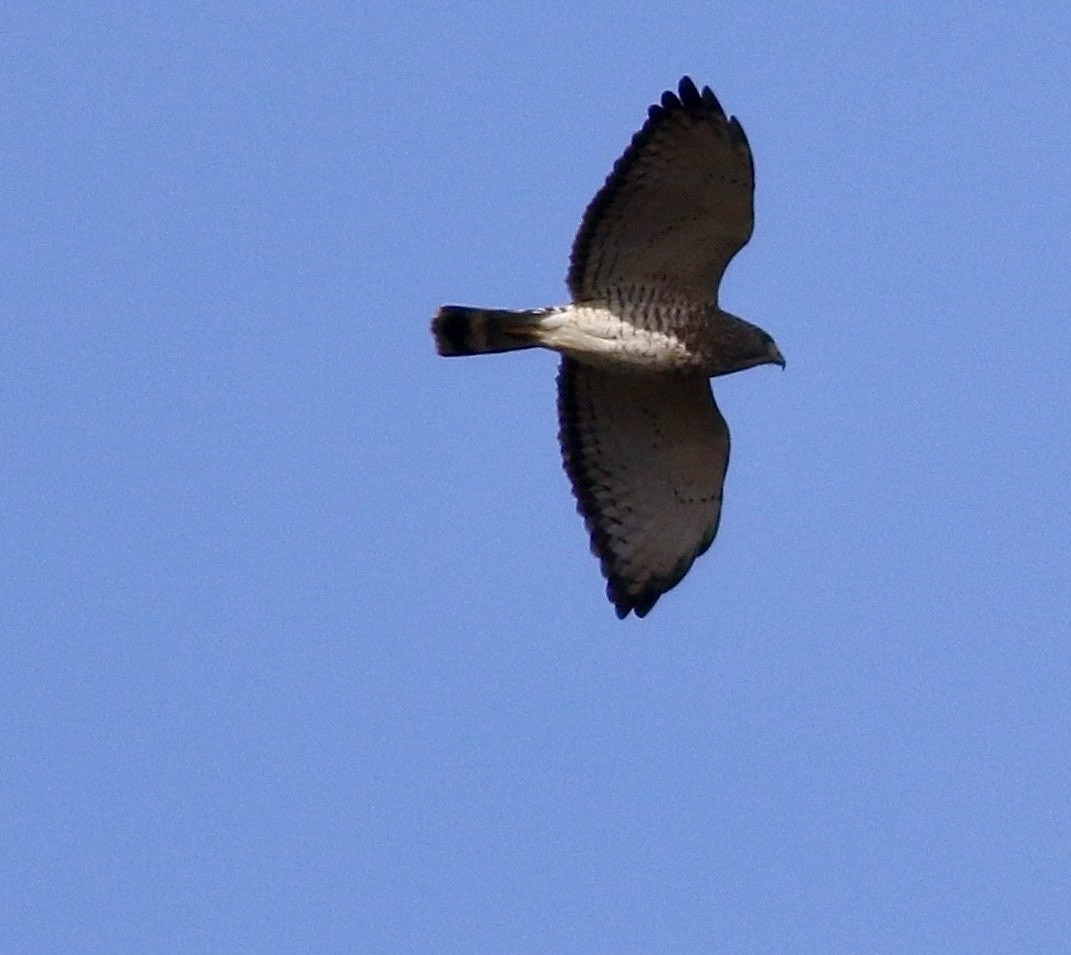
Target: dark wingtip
(692,99)
(737,132)
(643,606)
(626,603)
(689,95)
(619,597)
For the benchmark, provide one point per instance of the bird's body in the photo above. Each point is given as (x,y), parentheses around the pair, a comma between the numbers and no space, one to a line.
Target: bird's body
(618,332)
(643,443)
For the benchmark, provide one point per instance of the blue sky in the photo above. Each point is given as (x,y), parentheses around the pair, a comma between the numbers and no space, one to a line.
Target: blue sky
(303,648)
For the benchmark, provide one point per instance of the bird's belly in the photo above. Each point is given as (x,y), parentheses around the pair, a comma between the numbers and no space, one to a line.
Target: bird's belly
(599,336)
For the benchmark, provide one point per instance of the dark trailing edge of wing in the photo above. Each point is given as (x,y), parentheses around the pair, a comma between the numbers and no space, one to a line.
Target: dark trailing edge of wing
(617,587)
(689,100)
(587,505)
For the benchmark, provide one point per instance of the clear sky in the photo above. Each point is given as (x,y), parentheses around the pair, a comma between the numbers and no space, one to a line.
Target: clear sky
(302,646)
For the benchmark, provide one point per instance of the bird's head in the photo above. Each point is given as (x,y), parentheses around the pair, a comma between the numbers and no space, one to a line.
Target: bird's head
(773,353)
(744,345)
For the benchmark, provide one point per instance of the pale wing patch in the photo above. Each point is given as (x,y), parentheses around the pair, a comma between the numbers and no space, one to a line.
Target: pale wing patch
(646,455)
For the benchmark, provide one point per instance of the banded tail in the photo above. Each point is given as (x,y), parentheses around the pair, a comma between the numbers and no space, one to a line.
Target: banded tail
(459,330)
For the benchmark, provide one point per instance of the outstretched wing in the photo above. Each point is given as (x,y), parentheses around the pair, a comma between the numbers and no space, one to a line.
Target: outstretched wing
(676,208)
(646,455)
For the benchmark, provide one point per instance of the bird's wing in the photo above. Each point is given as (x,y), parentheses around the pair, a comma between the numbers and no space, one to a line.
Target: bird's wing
(676,208)
(646,455)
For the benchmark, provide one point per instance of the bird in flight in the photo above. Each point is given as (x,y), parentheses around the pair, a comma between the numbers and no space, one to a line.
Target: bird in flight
(642,440)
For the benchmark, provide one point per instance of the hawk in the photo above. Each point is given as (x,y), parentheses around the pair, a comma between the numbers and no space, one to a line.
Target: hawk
(642,440)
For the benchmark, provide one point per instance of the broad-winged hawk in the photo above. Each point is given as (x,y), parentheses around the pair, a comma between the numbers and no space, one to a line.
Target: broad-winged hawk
(642,440)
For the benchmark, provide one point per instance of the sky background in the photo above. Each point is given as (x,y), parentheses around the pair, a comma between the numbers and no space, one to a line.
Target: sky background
(302,646)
